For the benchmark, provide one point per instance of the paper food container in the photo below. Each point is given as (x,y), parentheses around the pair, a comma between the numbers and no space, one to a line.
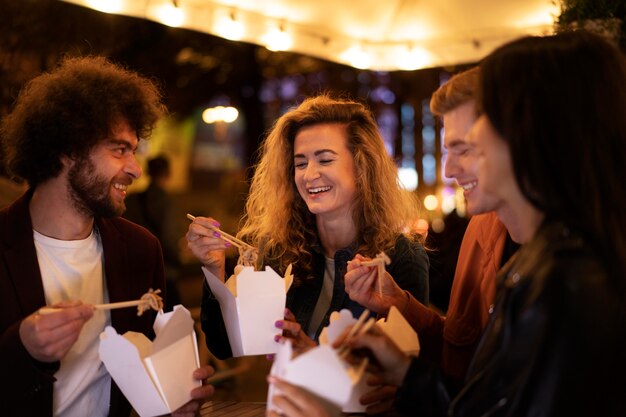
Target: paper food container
(251,302)
(395,326)
(319,371)
(156,377)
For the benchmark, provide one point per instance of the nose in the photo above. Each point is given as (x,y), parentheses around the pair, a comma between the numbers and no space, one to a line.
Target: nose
(452,168)
(312,171)
(132,167)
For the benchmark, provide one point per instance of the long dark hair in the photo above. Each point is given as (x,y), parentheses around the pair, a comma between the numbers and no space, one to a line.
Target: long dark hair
(560,103)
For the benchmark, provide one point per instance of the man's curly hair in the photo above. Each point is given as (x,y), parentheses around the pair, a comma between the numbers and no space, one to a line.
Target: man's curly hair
(70,110)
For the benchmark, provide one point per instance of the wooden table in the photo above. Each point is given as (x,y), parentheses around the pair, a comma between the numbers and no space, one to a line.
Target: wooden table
(232,408)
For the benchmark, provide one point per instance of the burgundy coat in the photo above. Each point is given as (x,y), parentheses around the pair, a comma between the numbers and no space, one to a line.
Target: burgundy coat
(133,263)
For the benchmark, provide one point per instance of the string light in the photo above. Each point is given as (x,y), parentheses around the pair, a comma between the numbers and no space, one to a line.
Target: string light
(415,58)
(357,57)
(106,6)
(170,15)
(230,28)
(220,114)
(277,39)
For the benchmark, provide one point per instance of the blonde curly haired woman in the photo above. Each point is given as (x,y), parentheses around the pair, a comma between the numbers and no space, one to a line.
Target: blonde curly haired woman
(324,190)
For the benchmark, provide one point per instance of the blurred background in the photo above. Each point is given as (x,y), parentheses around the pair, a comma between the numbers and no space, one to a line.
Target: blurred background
(228,69)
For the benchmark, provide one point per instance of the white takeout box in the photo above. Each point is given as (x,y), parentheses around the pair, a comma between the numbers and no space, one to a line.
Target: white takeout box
(156,377)
(319,371)
(251,302)
(396,327)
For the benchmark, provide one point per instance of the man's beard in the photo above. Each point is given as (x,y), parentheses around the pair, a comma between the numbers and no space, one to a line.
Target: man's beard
(90,192)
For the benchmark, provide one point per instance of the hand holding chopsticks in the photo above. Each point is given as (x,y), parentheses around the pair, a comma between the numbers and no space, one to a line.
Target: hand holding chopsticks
(223,235)
(150,300)
(247,253)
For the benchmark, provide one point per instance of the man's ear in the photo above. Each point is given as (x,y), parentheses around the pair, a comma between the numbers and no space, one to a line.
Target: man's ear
(66,161)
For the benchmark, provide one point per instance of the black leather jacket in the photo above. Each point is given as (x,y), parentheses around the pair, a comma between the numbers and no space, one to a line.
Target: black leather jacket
(555,344)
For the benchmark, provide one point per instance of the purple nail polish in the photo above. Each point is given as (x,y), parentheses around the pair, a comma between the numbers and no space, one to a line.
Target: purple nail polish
(216,224)
(216,234)
(277,338)
(279,324)
(228,244)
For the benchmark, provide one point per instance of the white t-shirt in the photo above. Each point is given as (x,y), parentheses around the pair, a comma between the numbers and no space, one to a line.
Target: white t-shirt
(73,270)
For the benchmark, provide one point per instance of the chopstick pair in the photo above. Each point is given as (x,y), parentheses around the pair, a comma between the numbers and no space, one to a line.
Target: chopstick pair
(379,261)
(224,236)
(151,299)
(361,326)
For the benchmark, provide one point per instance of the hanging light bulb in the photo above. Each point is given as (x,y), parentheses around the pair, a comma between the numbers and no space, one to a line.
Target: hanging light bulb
(277,39)
(357,57)
(415,58)
(230,28)
(170,15)
(106,6)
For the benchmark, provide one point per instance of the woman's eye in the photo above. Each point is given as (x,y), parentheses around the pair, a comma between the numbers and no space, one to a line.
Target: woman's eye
(300,165)
(326,161)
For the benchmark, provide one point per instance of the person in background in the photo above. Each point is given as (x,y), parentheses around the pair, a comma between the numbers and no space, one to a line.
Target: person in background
(324,190)
(550,145)
(72,136)
(450,341)
(153,209)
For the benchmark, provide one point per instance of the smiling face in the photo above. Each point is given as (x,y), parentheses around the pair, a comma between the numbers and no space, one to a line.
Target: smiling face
(461,161)
(495,169)
(324,170)
(98,182)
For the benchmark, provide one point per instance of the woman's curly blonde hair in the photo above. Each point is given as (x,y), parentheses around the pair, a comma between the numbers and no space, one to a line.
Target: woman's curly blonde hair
(277,220)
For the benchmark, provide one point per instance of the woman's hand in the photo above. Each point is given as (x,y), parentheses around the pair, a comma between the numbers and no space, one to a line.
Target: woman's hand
(293,331)
(362,285)
(294,401)
(207,246)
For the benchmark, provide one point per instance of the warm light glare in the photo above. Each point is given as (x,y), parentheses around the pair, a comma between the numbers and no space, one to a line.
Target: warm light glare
(543,16)
(170,15)
(220,114)
(277,40)
(357,57)
(229,28)
(415,58)
(106,6)
(408,178)
(431,202)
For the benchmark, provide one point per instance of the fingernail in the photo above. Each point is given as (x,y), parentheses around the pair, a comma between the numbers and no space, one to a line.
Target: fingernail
(216,234)
(228,244)
(216,224)
(279,324)
(277,338)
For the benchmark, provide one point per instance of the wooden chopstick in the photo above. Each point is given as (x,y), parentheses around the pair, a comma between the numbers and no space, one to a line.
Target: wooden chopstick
(361,326)
(223,235)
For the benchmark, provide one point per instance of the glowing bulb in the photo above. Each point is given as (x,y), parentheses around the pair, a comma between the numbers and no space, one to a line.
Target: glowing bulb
(431,202)
(229,28)
(277,40)
(106,6)
(220,114)
(170,15)
(415,58)
(356,57)
(408,178)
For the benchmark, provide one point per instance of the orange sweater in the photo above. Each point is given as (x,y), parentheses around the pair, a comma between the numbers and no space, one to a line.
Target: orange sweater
(451,341)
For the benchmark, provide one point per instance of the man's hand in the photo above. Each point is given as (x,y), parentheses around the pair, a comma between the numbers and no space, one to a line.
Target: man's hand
(48,337)
(198,395)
